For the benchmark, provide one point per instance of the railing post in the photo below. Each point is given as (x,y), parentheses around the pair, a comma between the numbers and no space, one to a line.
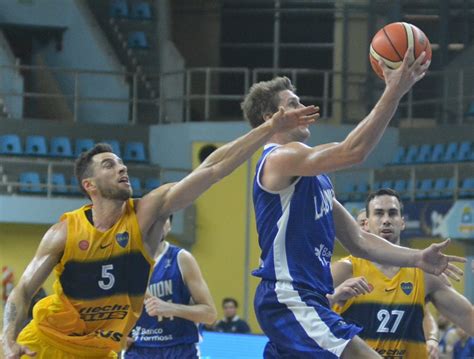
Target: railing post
(413,181)
(207,92)
(76,96)
(456,181)
(188,95)
(49,179)
(460,96)
(135,98)
(325,94)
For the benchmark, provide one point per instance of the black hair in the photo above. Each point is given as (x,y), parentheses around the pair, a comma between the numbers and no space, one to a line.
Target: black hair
(383,192)
(230,300)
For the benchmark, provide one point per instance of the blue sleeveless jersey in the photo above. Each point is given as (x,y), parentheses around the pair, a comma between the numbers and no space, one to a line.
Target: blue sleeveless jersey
(166,283)
(296,230)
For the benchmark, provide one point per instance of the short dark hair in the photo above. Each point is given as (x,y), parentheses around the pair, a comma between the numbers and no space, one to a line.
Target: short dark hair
(230,300)
(82,168)
(383,192)
(263,98)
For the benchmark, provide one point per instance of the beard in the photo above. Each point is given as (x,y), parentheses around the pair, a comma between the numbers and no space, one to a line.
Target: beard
(118,194)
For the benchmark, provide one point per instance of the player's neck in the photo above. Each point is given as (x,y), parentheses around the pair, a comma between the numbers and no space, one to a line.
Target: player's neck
(105,213)
(282,138)
(161,247)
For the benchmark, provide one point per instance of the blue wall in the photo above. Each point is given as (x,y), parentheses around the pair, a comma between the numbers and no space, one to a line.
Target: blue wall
(84,46)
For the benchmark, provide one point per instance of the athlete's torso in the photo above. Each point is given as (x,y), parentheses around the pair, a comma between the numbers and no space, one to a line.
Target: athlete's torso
(100,286)
(392,314)
(296,230)
(166,283)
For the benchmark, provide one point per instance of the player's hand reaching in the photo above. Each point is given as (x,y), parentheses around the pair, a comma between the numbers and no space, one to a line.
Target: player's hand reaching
(284,120)
(410,72)
(352,287)
(432,347)
(431,260)
(155,307)
(16,351)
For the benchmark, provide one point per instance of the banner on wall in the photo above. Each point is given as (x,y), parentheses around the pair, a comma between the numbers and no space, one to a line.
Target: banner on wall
(433,218)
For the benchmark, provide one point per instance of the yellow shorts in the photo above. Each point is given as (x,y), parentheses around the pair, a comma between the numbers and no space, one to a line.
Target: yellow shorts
(44,349)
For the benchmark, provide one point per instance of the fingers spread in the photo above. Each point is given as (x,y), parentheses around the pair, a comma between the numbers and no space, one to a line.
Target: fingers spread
(456,259)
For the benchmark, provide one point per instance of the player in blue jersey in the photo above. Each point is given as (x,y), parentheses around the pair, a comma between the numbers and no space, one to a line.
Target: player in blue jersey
(178,300)
(298,218)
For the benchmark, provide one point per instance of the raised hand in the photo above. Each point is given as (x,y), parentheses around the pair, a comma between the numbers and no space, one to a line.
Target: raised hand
(431,260)
(410,72)
(285,120)
(351,287)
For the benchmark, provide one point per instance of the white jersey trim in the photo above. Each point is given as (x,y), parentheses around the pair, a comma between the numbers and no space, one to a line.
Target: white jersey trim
(260,167)
(306,316)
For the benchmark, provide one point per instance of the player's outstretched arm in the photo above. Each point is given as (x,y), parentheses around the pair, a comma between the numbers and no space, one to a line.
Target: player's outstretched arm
(374,248)
(169,199)
(297,159)
(47,256)
(450,303)
(202,310)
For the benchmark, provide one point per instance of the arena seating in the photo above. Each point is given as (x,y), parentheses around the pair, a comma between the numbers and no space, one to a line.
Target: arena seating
(61,147)
(118,9)
(83,145)
(36,146)
(141,11)
(30,183)
(434,153)
(134,152)
(137,40)
(10,145)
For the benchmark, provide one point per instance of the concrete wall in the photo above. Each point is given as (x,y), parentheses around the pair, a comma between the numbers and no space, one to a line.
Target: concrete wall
(11,81)
(84,46)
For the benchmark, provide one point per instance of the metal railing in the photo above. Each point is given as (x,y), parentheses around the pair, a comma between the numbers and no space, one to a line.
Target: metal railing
(207,92)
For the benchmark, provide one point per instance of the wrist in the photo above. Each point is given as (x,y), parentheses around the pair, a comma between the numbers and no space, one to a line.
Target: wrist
(433,339)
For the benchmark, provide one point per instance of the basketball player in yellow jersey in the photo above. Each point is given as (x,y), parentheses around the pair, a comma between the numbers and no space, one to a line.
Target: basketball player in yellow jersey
(392,312)
(101,253)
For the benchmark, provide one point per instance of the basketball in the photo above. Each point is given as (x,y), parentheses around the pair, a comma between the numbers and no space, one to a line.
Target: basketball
(391,43)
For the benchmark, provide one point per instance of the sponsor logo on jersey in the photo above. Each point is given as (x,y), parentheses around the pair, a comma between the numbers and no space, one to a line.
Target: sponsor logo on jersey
(150,335)
(115,336)
(106,312)
(122,239)
(324,254)
(407,287)
(84,245)
(391,353)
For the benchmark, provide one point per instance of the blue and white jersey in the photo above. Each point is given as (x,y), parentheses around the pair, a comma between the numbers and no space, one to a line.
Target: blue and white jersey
(166,283)
(296,230)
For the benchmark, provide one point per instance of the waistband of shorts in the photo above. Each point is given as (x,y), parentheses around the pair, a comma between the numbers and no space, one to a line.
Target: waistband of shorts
(75,349)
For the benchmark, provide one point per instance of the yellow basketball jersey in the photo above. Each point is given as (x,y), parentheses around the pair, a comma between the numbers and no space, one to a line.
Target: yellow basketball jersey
(392,314)
(100,285)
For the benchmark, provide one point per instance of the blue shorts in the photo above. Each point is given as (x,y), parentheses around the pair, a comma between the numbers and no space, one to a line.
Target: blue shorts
(299,323)
(184,351)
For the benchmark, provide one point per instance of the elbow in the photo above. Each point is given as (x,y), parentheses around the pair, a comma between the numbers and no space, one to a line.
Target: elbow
(211,316)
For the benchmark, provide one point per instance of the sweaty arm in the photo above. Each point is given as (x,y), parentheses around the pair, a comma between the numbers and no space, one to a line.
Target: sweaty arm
(160,203)
(47,256)
(450,303)
(202,310)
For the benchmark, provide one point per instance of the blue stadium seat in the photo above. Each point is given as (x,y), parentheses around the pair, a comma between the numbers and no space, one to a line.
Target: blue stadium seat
(399,156)
(115,146)
(60,147)
(10,145)
(464,152)
(439,187)
(467,188)
(424,154)
(424,188)
(400,185)
(451,152)
(437,153)
(136,186)
(376,186)
(134,152)
(151,184)
(387,184)
(360,191)
(30,183)
(59,183)
(36,146)
(74,190)
(411,154)
(137,40)
(118,9)
(141,11)
(83,145)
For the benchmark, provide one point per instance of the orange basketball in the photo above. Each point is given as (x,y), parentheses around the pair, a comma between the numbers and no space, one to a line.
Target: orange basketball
(391,43)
